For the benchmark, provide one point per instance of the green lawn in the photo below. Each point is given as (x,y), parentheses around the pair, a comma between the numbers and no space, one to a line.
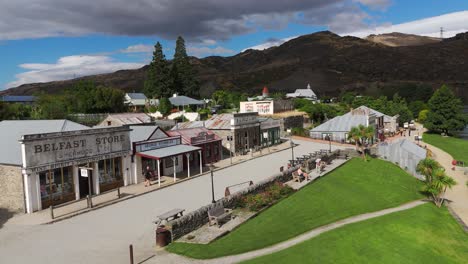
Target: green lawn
(456,147)
(356,187)
(424,234)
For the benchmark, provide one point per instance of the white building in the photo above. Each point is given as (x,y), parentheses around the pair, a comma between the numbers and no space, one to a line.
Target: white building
(303,93)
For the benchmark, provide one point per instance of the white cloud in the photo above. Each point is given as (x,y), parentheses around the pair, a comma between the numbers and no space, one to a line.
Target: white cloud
(69,67)
(139,48)
(270,43)
(453,23)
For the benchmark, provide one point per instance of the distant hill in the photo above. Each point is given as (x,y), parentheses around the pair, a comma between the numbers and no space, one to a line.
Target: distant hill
(396,39)
(330,63)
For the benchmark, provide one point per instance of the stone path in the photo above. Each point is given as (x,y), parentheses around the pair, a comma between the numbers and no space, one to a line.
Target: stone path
(458,195)
(166,257)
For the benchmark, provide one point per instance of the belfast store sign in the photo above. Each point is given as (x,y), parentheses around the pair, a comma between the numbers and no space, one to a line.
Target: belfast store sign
(54,150)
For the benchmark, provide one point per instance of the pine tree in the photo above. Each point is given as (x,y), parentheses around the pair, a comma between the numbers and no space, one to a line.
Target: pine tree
(445,111)
(158,81)
(182,74)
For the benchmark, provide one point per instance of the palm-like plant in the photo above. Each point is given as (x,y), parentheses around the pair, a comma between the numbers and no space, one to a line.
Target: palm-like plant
(360,135)
(437,181)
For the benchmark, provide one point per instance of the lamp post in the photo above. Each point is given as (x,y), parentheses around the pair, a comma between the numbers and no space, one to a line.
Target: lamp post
(327,137)
(292,146)
(265,137)
(229,138)
(212,185)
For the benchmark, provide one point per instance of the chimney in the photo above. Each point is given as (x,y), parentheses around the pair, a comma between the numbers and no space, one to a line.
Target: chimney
(265,92)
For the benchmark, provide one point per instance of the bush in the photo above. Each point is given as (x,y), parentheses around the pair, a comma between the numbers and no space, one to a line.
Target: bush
(270,195)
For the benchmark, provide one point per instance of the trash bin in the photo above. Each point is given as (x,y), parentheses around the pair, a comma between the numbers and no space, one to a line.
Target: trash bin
(163,236)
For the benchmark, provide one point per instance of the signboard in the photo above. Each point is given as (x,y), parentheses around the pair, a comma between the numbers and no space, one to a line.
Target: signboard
(157,144)
(54,150)
(261,107)
(202,137)
(84,173)
(245,119)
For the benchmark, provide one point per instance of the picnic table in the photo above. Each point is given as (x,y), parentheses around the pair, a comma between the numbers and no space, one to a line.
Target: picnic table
(174,214)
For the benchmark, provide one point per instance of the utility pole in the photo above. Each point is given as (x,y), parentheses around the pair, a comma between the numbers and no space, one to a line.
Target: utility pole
(442,32)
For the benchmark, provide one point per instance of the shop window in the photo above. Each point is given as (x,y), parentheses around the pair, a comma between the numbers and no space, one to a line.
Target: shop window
(56,186)
(110,173)
(208,152)
(169,163)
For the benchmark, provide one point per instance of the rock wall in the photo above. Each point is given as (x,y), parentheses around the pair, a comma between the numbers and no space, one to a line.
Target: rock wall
(11,188)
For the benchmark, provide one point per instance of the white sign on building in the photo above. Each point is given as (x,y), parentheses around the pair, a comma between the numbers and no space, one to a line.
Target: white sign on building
(262,107)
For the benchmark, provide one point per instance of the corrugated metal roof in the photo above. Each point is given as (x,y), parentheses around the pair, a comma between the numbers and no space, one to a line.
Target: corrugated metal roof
(140,133)
(189,133)
(11,132)
(345,122)
(168,151)
(411,147)
(136,96)
(190,124)
(18,98)
(131,118)
(182,100)
(221,121)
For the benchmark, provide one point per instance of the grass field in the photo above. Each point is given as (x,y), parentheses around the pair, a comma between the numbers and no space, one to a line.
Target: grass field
(356,187)
(456,147)
(424,234)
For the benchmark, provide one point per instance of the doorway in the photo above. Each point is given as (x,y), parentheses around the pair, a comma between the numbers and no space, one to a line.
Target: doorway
(83,182)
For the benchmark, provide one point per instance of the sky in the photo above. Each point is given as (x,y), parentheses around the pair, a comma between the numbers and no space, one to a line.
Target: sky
(47,40)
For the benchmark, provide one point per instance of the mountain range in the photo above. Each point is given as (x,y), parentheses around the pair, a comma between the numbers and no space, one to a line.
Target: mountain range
(330,63)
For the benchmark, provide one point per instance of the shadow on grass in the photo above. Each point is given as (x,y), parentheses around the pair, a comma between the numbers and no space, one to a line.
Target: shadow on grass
(5,214)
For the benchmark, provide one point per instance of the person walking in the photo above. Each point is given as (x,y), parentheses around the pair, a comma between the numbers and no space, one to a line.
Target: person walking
(147,176)
(317,165)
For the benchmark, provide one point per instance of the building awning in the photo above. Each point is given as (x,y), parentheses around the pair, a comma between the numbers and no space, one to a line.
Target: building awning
(168,152)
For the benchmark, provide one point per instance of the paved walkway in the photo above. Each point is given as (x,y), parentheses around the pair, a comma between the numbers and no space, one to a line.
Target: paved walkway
(103,236)
(165,257)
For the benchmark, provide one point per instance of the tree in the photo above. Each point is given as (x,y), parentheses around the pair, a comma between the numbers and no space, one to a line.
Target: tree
(158,81)
(165,106)
(52,106)
(436,180)
(416,107)
(445,112)
(182,73)
(361,136)
(423,116)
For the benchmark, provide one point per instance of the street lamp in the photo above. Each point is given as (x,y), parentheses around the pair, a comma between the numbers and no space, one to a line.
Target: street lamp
(292,146)
(265,137)
(327,137)
(212,185)
(229,139)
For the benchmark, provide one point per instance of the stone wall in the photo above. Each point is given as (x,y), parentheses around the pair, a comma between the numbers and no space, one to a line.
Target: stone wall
(198,218)
(11,188)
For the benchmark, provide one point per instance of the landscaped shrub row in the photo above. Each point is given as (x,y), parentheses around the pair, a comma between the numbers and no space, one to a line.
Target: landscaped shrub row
(271,195)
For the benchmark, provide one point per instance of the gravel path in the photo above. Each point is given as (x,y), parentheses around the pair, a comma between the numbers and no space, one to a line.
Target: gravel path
(166,257)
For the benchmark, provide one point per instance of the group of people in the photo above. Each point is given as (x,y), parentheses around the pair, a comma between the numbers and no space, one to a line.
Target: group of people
(318,166)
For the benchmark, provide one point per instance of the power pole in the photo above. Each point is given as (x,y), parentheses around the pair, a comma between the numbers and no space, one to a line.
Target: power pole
(442,32)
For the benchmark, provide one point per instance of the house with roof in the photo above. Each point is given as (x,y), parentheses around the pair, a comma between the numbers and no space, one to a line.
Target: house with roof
(338,128)
(303,93)
(138,101)
(207,140)
(264,105)
(182,101)
(166,156)
(40,162)
(21,99)
(240,132)
(121,119)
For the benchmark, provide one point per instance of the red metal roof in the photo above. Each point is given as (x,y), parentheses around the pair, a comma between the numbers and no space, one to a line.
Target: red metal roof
(189,133)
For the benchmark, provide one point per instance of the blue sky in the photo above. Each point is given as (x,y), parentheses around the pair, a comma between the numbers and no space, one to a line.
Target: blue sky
(45,40)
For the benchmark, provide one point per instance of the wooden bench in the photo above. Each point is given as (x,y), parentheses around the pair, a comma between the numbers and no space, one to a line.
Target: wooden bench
(219,214)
